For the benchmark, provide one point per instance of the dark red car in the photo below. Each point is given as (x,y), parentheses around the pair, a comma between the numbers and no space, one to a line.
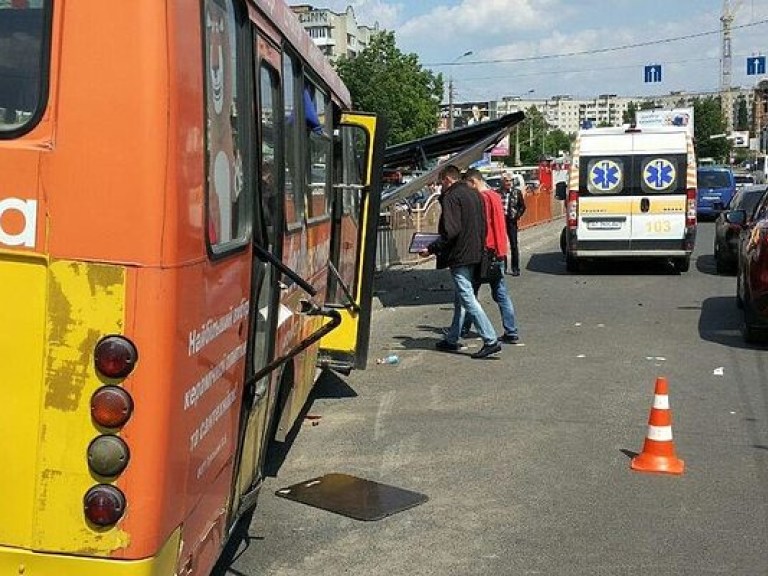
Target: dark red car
(752,275)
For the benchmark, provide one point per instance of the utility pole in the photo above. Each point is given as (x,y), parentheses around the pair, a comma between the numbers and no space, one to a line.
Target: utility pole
(726,97)
(450,91)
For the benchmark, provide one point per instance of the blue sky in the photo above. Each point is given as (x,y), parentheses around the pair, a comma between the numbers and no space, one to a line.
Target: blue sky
(513,41)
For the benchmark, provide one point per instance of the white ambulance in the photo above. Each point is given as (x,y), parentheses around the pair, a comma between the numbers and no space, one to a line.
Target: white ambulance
(631,194)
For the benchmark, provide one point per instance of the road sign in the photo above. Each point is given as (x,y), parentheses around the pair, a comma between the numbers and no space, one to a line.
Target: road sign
(755,65)
(653,73)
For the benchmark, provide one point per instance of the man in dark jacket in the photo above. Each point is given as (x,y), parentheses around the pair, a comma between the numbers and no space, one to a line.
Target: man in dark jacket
(462,237)
(513,200)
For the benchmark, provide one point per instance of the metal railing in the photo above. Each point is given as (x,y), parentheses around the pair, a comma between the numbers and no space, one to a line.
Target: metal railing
(398,223)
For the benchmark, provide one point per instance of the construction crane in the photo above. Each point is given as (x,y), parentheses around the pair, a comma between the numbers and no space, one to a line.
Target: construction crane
(726,97)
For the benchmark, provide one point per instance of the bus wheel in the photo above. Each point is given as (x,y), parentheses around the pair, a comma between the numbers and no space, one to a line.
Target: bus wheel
(683,264)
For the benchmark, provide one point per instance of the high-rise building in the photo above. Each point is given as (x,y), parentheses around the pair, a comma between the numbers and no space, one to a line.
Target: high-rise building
(336,34)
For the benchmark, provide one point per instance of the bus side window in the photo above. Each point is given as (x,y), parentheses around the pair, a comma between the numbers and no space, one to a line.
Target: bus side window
(227,205)
(318,171)
(294,203)
(23,57)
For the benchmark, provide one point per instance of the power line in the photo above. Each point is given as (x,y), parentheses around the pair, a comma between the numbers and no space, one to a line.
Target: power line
(595,50)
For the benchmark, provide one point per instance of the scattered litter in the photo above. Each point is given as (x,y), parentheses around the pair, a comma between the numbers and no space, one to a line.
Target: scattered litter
(577,324)
(581,356)
(601,325)
(718,371)
(661,358)
(391,359)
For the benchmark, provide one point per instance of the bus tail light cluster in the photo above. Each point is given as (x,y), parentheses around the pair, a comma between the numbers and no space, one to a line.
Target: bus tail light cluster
(111,407)
(573,209)
(690,214)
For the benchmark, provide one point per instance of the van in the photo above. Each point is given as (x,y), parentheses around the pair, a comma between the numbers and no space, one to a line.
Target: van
(716,187)
(631,194)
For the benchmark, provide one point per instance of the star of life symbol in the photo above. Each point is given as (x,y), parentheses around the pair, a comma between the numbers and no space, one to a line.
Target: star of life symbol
(659,174)
(605,175)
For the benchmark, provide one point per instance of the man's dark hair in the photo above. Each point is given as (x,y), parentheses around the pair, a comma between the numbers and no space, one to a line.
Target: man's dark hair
(451,172)
(473,173)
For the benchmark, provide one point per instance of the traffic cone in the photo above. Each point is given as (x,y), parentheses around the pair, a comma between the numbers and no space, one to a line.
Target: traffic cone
(658,453)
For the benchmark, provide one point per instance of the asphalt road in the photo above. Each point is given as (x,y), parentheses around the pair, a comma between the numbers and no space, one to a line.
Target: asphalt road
(525,458)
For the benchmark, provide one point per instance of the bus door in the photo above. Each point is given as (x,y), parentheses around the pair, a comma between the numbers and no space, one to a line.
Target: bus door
(268,220)
(604,221)
(659,202)
(358,149)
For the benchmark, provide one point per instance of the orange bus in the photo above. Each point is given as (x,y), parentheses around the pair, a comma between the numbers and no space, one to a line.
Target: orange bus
(187,234)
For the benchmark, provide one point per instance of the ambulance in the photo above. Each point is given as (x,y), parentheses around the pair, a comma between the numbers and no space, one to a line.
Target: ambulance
(631,195)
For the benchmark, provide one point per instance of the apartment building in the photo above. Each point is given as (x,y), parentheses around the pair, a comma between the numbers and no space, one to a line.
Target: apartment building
(336,34)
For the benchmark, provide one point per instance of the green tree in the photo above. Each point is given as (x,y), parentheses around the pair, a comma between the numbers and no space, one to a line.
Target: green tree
(709,129)
(742,117)
(394,85)
(629,116)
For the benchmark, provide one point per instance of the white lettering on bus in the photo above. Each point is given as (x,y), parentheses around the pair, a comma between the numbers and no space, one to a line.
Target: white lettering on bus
(193,395)
(210,421)
(28,209)
(213,328)
(205,464)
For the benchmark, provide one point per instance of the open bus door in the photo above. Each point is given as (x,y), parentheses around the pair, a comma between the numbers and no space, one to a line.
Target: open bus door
(357,197)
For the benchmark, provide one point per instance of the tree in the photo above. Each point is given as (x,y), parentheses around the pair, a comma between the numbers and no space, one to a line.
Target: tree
(394,85)
(709,129)
(742,117)
(629,116)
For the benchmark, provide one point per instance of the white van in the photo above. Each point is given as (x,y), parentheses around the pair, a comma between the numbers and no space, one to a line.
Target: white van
(631,194)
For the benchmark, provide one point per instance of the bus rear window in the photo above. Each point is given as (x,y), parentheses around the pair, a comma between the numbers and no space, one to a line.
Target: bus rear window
(24,38)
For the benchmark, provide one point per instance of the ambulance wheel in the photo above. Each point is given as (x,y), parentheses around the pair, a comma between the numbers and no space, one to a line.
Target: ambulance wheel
(571,263)
(683,264)
(563,240)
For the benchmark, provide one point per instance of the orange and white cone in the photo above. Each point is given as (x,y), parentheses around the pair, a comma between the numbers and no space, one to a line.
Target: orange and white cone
(658,453)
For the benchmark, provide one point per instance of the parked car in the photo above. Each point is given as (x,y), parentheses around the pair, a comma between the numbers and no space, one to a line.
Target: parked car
(715,188)
(726,245)
(752,275)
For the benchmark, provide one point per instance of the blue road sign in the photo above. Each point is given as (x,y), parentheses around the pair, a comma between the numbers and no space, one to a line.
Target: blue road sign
(653,73)
(755,65)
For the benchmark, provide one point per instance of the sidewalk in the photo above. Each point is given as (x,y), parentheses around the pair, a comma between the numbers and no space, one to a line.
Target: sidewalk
(421,282)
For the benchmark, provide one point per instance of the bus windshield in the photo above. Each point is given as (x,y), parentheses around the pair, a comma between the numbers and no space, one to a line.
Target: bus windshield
(22,37)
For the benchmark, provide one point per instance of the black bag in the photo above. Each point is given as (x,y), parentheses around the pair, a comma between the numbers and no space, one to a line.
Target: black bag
(490,268)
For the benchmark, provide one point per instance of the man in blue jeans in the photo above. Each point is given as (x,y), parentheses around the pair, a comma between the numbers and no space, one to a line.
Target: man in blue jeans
(462,237)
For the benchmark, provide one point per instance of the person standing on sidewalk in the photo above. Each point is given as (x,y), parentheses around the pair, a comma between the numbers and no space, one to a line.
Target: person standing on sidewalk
(496,238)
(513,201)
(459,248)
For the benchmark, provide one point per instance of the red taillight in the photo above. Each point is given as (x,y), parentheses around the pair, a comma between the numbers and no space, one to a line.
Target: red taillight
(690,214)
(573,209)
(111,406)
(115,356)
(104,504)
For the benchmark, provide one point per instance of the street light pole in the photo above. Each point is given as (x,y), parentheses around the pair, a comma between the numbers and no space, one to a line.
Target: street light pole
(450,90)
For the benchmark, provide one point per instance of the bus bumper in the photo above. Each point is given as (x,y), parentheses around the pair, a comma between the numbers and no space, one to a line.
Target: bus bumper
(21,562)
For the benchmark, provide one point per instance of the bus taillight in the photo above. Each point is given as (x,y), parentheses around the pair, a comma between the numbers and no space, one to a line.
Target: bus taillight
(108,455)
(690,215)
(111,406)
(573,209)
(115,356)
(104,504)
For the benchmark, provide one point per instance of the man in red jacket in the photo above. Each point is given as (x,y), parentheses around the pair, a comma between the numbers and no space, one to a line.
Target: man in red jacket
(496,238)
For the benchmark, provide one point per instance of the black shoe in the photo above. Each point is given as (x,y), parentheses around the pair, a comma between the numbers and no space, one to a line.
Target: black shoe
(487,350)
(445,346)
(510,338)
(515,272)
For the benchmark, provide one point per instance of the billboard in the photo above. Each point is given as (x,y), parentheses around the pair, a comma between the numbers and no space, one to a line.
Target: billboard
(682,117)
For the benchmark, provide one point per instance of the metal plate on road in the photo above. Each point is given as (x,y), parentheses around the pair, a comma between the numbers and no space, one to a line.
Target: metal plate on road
(352,497)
